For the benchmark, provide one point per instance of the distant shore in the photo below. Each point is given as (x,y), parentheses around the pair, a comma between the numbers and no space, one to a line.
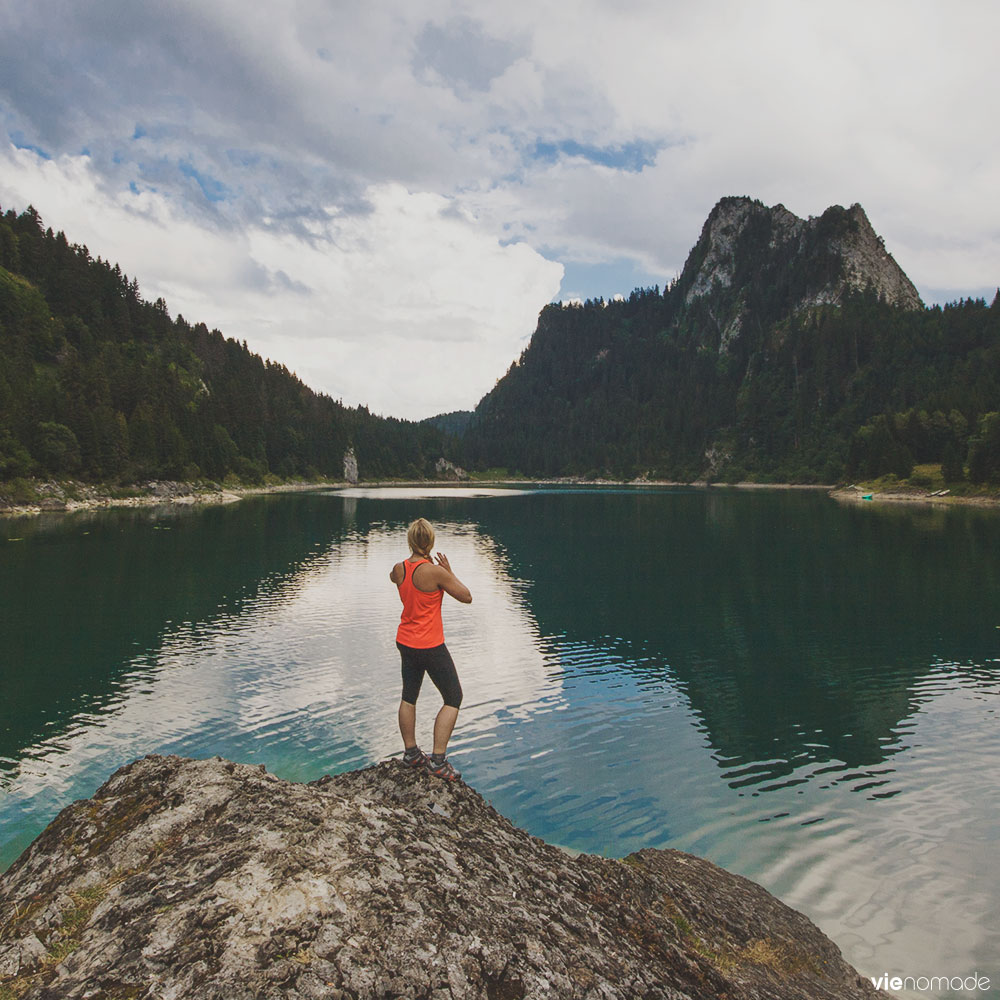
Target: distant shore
(913,494)
(55,497)
(66,497)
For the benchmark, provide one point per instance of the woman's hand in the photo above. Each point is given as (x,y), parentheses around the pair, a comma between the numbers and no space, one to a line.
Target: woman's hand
(450,583)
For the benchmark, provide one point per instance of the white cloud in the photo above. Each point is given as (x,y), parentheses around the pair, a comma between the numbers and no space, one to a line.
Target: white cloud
(412,307)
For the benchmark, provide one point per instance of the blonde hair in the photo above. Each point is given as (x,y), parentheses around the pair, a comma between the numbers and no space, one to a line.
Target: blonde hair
(420,537)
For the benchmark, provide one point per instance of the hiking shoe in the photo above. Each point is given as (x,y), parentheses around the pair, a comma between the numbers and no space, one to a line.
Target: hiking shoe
(443,770)
(419,759)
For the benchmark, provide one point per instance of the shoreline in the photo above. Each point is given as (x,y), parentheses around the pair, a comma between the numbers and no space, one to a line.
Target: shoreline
(913,495)
(69,497)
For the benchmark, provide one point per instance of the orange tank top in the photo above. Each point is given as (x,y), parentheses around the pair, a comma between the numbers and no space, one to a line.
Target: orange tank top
(420,624)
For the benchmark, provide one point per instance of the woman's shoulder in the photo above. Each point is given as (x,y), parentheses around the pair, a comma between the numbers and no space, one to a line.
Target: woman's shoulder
(397,573)
(426,576)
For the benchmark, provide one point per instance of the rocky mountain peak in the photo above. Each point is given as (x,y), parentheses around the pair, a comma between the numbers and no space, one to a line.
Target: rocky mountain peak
(744,242)
(867,262)
(713,259)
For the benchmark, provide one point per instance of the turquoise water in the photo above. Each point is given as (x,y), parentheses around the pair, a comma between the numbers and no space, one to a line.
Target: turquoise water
(804,693)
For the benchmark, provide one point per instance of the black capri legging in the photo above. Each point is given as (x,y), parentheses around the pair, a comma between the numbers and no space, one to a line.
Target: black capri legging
(438,664)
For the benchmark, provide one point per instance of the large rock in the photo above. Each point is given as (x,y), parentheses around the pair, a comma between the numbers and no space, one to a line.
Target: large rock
(208,879)
(350,466)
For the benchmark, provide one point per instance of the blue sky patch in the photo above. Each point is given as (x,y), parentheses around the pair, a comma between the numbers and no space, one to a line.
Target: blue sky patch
(21,143)
(605,279)
(212,189)
(631,157)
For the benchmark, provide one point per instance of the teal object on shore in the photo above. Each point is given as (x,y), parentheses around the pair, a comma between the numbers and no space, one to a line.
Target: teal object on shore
(866,496)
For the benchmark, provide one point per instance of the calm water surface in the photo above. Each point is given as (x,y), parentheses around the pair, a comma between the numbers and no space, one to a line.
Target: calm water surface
(805,693)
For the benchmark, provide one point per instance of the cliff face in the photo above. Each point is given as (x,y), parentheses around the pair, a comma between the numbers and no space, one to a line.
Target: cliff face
(207,879)
(746,247)
(742,235)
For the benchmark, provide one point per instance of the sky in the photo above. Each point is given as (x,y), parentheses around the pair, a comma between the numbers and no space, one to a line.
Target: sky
(382,196)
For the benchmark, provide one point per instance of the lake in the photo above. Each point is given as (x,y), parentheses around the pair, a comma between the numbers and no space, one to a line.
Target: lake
(803,692)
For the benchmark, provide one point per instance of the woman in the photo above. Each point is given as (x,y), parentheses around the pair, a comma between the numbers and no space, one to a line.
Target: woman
(422,584)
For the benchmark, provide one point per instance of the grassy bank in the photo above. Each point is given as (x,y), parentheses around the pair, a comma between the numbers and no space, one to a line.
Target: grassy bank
(925,484)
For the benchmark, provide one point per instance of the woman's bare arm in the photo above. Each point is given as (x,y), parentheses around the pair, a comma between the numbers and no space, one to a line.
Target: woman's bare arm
(450,583)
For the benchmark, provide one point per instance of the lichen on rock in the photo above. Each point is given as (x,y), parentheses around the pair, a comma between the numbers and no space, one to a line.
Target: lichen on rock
(209,879)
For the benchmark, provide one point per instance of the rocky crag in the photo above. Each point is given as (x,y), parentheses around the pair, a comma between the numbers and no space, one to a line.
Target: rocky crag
(208,879)
(844,233)
(745,242)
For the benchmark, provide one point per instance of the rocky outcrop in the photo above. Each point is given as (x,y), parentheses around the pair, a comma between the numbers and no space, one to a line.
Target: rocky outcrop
(867,263)
(445,469)
(208,879)
(745,247)
(350,466)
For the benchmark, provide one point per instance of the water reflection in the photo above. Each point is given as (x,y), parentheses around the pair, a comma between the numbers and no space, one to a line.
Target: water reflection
(799,634)
(85,598)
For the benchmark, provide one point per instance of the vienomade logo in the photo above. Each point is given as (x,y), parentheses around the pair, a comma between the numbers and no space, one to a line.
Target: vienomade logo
(931,983)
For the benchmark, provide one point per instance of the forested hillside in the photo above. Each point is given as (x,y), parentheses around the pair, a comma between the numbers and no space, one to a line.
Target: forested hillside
(97,383)
(772,357)
(787,350)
